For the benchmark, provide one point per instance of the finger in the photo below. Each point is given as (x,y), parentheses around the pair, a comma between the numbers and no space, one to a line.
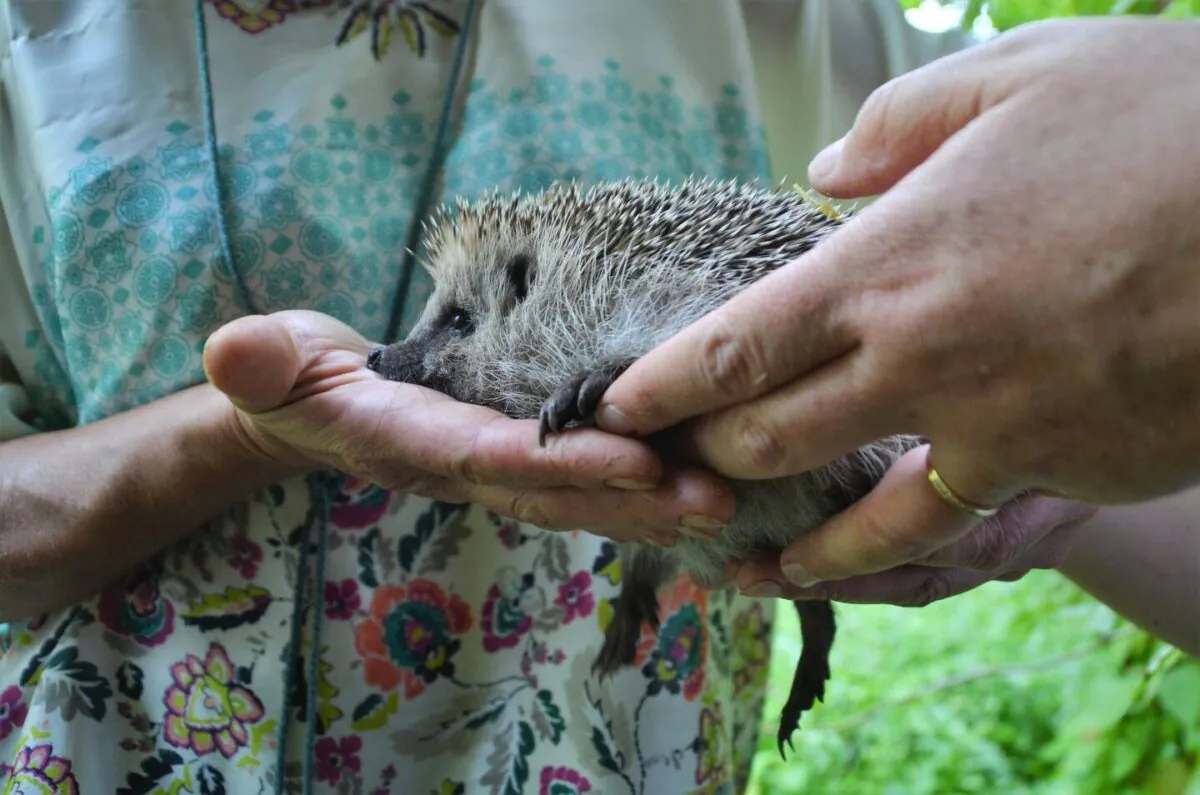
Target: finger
(901,520)
(1022,527)
(909,586)
(906,120)
(756,440)
(254,360)
(734,354)
(906,586)
(258,360)
(684,500)
(415,429)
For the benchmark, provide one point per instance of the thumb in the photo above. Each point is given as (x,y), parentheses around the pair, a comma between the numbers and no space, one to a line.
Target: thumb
(901,124)
(901,520)
(255,361)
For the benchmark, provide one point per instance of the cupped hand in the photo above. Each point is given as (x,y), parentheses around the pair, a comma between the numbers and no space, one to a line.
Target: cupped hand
(304,396)
(1023,294)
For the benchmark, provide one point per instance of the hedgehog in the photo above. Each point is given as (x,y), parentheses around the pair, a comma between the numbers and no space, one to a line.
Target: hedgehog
(541,301)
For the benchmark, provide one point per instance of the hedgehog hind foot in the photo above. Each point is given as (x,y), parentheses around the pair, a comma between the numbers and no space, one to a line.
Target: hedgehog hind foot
(818,626)
(637,605)
(577,399)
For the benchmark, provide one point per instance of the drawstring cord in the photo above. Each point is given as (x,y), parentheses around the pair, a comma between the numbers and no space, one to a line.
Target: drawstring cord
(320,485)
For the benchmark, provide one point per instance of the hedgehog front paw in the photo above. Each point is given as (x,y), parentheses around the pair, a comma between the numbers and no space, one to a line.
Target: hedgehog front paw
(577,399)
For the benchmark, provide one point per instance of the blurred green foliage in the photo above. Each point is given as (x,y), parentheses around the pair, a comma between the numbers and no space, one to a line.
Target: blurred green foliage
(1005,14)
(1016,688)
(1028,687)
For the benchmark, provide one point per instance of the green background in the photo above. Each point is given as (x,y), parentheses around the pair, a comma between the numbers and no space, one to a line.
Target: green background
(1027,687)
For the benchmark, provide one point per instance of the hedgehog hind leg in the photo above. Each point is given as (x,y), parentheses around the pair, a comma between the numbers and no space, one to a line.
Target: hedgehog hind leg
(576,400)
(817,629)
(644,570)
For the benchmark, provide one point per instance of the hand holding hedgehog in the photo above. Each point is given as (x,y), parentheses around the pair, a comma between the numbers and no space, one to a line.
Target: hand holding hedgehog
(305,401)
(1024,296)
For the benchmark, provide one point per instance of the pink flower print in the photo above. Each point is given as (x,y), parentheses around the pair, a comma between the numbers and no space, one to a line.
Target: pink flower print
(563,781)
(503,620)
(246,556)
(359,504)
(206,710)
(135,609)
(575,598)
(334,756)
(342,600)
(12,711)
(37,769)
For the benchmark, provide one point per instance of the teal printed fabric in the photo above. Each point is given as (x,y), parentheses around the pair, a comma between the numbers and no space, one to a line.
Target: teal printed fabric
(456,646)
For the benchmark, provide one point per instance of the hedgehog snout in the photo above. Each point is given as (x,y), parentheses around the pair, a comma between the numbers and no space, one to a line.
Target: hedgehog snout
(397,363)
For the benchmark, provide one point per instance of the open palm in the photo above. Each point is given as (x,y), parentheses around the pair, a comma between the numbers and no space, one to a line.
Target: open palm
(305,396)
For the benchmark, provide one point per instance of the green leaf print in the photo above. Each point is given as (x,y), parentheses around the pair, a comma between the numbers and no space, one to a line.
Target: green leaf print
(71,686)
(129,681)
(548,717)
(366,558)
(443,546)
(508,768)
(212,781)
(374,711)
(486,716)
(413,544)
(231,608)
(606,759)
(154,769)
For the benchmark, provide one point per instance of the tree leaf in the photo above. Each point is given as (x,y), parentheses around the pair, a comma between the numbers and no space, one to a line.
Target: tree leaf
(1179,693)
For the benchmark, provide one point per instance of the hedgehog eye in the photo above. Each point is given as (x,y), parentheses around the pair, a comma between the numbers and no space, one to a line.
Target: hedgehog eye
(460,320)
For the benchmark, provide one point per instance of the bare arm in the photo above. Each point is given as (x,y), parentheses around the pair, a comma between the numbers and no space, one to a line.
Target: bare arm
(79,508)
(1143,561)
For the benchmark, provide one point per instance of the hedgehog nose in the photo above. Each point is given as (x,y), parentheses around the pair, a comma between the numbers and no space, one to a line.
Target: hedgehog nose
(373,358)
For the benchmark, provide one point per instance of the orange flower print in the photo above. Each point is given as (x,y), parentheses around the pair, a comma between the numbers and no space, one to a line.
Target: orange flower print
(411,635)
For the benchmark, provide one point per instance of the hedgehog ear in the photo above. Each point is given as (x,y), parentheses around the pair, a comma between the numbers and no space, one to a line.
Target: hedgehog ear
(520,275)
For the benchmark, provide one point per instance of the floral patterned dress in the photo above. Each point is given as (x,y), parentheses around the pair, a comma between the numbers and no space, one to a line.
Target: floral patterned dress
(327,635)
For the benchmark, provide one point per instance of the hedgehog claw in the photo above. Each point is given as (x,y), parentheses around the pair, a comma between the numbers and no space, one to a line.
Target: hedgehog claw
(578,398)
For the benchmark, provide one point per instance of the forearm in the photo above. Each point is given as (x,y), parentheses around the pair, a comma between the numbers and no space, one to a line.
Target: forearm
(79,508)
(1143,561)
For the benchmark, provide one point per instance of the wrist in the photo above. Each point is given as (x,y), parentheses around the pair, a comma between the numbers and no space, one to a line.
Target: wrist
(248,448)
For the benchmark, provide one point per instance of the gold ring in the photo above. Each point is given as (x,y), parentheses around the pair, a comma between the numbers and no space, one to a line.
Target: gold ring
(950,496)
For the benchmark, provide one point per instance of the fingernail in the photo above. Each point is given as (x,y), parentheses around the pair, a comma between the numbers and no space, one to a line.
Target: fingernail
(825,164)
(628,484)
(797,575)
(613,420)
(764,590)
